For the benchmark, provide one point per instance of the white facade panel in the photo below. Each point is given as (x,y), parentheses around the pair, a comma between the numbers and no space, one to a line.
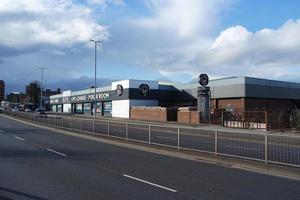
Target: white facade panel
(124,83)
(67,93)
(120,108)
(67,108)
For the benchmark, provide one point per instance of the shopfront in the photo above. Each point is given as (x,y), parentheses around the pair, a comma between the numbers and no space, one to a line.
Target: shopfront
(112,101)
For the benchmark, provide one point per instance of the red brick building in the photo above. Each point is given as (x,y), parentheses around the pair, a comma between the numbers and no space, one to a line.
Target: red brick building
(2,90)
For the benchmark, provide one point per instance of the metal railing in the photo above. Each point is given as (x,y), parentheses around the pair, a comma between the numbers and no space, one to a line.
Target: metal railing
(268,148)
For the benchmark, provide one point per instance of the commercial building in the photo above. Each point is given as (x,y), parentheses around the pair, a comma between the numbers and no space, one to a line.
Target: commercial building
(231,93)
(2,90)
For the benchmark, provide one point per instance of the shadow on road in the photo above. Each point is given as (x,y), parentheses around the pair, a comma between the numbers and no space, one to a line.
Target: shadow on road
(18,194)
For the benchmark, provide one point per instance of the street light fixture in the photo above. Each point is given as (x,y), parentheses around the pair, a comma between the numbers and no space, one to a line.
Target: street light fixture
(95,80)
(42,74)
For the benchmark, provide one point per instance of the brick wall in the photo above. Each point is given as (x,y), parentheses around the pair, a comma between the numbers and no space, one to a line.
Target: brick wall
(230,103)
(159,114)
(188,115)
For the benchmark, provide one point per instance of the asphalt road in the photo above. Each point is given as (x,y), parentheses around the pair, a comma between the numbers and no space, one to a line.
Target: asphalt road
(42,164)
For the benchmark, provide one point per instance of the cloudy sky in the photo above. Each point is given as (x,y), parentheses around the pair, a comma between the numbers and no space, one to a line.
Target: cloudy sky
(147,39)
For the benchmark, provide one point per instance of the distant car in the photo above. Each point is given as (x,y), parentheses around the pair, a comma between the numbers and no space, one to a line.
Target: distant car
(14,109)
(28,110)
(21,109)
(40,111)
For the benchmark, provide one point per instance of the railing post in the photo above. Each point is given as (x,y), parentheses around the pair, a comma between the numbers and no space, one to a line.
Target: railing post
(62,122)
(178,138)
(71,123)
(149,134)
(216,143)
(108,128)
(126,131)
(266,149)
(93,126)
(223,118)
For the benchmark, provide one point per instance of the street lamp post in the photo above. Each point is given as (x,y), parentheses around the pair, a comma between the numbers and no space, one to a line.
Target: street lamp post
(42,74)
(95,80)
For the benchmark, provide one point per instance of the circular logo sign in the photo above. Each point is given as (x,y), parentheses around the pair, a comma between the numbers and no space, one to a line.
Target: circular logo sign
(144,89)
(119,90)
(203,79)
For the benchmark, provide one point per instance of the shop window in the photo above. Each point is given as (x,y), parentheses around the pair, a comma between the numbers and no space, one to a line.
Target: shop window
(78,108)
(107,107)
(87,108)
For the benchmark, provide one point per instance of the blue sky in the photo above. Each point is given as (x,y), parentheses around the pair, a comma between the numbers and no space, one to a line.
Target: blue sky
(147,39)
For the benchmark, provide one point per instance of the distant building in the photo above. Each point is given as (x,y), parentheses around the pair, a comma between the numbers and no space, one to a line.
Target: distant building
(2,90)
(48,92)
(33,93)
(16,99)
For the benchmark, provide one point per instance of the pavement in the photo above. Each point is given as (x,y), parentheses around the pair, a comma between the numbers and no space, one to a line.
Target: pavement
(37,163)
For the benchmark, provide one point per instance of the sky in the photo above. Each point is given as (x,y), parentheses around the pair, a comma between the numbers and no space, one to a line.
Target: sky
(170,40)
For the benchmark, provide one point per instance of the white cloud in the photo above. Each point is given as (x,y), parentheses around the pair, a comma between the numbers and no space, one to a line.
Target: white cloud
(62,22)
(267,52)
(181,17)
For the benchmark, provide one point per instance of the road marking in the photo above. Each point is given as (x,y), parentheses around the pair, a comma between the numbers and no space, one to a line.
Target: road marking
(147,182)
(242,148)
(1,131)
(57,152)
(18,138)
(163,137)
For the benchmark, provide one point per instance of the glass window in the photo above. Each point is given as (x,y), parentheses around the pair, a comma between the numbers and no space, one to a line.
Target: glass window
(78,108)
(59,108)
(99,107)
(54,108)
(87,108)
(107,107)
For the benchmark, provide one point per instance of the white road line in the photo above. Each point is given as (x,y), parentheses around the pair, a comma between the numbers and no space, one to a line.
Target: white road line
(147,182)
(1,131)
(242,148)
(57,152)
(18,138)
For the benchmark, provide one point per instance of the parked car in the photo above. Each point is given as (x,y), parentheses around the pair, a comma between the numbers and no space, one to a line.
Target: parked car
(28,110)
(40,111)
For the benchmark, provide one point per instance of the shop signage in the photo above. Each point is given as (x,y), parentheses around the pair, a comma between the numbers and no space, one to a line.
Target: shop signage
(144,89)
(66,100)
(203,79)
(55,101)
(90,97)
(119,90)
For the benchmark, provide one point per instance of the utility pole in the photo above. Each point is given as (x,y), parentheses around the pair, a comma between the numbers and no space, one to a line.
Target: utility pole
(95,80)
(42,74)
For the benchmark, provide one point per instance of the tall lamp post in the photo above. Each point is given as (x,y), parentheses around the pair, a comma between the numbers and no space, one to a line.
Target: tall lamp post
(42,74)
(95,80)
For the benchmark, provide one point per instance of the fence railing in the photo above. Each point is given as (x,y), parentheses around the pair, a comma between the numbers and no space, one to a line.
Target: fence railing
(268,148)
